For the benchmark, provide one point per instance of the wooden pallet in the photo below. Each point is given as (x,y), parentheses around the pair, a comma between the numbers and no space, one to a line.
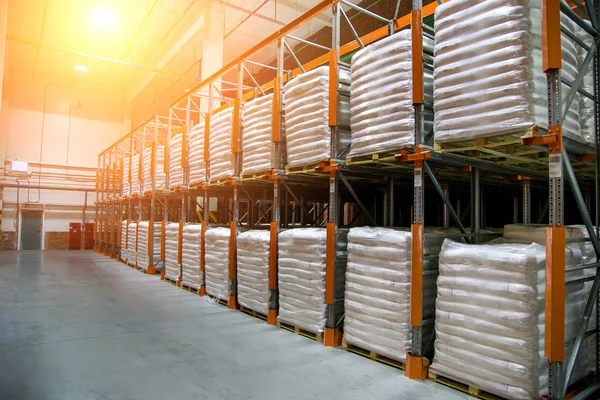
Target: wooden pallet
(190,289)
(218,300)
(375,158)
(255,314)
(372,355)
(302,332)
(470,390)
(171,281)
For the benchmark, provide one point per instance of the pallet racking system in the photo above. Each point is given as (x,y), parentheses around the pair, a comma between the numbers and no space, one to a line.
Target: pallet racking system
(338,193)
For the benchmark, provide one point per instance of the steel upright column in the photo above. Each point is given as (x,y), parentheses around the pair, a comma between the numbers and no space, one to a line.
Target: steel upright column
(526,201)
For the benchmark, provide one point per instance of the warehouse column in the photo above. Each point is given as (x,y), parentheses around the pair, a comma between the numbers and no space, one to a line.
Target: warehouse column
(526,201)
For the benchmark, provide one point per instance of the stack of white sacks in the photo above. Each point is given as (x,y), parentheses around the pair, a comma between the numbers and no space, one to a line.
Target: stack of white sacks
(125,186)
(490,313)
(306,102)
(257,123)
(488,76)
(253,270)
(301,277)
(196,162)
(190,257)
(143,259)
(131,250)
(159,169)
(175,166)
(220,155)
(381,104)
(135,174)
(377,296)
(172,268)
(124,250)
(216,258)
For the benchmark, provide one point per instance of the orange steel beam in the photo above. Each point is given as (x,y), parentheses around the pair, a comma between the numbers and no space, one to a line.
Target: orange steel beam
(150,237)
(184,154)
(206,135)
(273,256)
(232,303)
(235,129)
(333,87)
(203,247)
(163,238)
(551,36)
(330,264)
(276,120)
(416,274)
(166,157)
(180,243)
(152,160)
(554,344)
(416,27)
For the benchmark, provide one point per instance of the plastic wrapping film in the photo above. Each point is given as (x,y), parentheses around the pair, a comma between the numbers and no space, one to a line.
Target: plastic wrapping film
(220,155)
(190,257)
(301,278)
(172,267)
(143,261)
(306,107)
(131,253)
(159,169)
(123,249)
(586,105)
(257,135)
(381,105)
(377,297)
(135,174)
(125,187)
(490,312)
(488,77)
(175,168)
(196,162)
(216,258)
(253,270)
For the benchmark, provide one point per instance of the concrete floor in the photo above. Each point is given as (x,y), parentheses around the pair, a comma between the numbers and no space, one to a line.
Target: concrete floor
(80,326)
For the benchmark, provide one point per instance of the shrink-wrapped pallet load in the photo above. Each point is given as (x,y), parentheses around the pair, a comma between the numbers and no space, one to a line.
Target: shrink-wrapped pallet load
(190,258)
(123,245)
(301,277)
(135,175)
(490,317)
(159,169)
(586,105)
(175,166)
(172,267)
(125,185)
(196,162)
(377,297)
(216,258)
(488,77)
(257,139)
(131,243)
(220,155)
(306,106)
(253,270)
(143,259)
(381,104)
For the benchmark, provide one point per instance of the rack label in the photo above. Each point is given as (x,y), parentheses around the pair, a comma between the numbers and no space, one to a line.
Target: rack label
(418,177)
(555,168)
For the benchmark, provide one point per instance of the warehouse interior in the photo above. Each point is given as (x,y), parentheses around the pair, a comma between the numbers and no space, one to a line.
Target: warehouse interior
(234,199)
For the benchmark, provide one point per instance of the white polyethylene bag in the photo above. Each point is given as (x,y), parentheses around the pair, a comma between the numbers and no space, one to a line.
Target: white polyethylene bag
(196,162)
(253,270)
(377,294)
(131,250)
(190,257)
(381,104)
(159,169)
(257,134)
(221,157)
(216,258)
(172,268)
(301,277)
(143,260)
(175,168)
(488,77)
(125,186)
(123,244)
(135,174)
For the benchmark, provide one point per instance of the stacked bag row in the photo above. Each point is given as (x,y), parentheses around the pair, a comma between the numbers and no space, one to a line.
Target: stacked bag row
(158,166)
(191,275)
(172,267)
(143,240)
(175,161)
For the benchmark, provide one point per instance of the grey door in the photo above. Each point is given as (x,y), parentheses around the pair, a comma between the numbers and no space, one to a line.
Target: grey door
(31,230)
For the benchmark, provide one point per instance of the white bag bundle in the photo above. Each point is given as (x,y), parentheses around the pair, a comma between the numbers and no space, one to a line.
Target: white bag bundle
(196,162)
(220,155)
(490,316)
(190,258)
(381,104)
(143,259)
(131,250)
(159,169)
(172,267)
(135,174)
(216,258)
(175,168)
(253,270)
(377,296)
(125,186)
(301,277)
(306,102)
(257,132)
(123,244)
(488,76)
